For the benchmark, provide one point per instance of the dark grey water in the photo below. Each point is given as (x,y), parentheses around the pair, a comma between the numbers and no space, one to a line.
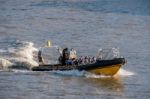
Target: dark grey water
(86,25)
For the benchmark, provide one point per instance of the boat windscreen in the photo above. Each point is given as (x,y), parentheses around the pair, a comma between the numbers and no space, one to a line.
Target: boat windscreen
(50,55)
(108,54)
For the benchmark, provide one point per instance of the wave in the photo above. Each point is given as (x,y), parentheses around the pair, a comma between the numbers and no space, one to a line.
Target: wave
(69,73)
(86,74)
(91,75)
(18,54)
(124,72)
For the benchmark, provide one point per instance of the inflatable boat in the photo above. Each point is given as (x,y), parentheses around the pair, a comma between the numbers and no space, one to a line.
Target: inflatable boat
(100,67)
(107,62)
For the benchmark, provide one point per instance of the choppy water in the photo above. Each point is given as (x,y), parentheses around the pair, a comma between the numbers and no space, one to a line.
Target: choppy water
(86,25)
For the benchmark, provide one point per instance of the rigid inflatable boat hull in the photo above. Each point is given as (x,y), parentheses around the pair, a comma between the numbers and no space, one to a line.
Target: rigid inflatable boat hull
(102,67)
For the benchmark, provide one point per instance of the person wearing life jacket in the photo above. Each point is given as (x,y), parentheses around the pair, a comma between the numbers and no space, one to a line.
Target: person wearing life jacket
(73,54)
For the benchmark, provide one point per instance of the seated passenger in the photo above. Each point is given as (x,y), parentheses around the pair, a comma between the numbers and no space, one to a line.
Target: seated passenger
(76,62)
(93,60)
(86,60)
(69,62)
(72,54)
(80,60)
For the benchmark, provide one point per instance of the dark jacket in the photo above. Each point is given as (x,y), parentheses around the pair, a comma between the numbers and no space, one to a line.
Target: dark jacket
(65,56)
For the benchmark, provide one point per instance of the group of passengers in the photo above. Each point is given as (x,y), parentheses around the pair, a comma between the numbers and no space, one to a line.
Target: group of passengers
(86,60)
(70,58)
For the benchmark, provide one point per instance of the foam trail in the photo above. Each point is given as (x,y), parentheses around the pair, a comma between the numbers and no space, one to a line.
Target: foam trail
(17,53)
(123,72)
(79,74)
(24,55)
(4,63)
(21,71)
(91,75)
(70,73)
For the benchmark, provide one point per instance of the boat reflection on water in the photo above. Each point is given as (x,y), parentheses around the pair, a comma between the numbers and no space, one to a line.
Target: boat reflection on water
(110,86)
(90,87)
(108,83)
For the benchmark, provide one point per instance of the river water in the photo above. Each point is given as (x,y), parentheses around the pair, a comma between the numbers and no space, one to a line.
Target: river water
(86,25)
